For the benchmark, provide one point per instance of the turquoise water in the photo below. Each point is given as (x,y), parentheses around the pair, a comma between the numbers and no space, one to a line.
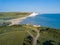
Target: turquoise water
(49,20)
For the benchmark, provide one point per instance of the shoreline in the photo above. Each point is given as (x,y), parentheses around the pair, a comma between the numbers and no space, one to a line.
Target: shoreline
(18,20)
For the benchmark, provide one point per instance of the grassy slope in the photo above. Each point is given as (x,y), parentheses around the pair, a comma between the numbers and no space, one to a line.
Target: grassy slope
(11,15)
(14,35)
(50,34)
(12,38)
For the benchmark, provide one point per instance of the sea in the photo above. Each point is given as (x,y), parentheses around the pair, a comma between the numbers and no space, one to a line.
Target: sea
(48,20)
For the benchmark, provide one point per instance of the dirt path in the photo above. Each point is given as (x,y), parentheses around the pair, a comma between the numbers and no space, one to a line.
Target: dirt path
(35,38)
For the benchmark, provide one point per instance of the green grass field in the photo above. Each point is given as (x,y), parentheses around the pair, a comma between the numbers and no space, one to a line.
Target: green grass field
(16,35)
(12,15)
(12,38)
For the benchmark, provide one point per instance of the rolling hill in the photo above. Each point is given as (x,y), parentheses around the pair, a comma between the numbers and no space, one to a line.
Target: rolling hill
(16,35)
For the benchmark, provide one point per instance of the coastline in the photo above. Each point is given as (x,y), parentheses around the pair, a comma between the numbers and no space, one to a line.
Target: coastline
(18,20)
(33,14)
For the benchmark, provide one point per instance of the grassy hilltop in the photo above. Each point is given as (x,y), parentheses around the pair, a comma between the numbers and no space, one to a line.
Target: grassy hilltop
(12,15)
(17,35)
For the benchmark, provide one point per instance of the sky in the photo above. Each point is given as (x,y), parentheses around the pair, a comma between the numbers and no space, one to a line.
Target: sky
(41,6)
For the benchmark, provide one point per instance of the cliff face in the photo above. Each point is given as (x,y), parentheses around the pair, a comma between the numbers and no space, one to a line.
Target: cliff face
(33,14)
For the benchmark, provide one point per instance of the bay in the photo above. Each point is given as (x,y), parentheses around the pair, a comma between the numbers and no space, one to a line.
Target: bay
(48,20)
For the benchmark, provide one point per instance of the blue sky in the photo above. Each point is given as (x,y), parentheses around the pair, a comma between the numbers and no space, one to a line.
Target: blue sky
(42,6)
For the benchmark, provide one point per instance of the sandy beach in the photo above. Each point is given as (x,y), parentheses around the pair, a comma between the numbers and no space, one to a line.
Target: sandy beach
(18,20)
